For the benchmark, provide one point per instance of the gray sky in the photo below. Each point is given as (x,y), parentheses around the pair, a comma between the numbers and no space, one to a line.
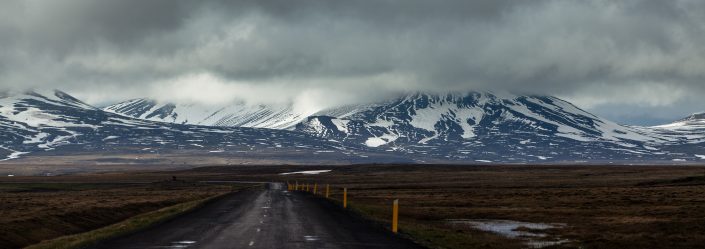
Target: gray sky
(638,61)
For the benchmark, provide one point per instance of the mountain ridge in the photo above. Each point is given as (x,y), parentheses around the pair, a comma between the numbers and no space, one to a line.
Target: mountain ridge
(34,122)
(237,114)
(456,127)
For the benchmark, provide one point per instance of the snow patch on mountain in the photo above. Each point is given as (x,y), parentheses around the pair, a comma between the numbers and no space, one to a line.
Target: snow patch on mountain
(234,115)
(341,125)
(693,122)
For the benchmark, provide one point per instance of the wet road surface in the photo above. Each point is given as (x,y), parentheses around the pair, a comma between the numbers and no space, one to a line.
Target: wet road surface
(270,217)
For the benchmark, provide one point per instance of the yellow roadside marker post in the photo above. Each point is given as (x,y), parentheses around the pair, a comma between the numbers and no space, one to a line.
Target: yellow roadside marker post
(395,216)
(327,190)
(345,197)
(315,188)
(307,188)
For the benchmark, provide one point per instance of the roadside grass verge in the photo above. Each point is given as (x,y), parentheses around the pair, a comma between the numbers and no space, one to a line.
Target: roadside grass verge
(38,211)
(128,226)
(433,234)
(55,187)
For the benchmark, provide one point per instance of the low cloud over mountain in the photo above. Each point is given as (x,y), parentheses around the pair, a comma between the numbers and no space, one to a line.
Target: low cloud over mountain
(599,54)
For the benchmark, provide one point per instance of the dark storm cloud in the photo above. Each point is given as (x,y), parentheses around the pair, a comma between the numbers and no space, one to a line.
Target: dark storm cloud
(592,52)
(64,26)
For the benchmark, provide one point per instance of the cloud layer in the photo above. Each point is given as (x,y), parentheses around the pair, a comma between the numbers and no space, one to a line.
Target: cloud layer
(642,53)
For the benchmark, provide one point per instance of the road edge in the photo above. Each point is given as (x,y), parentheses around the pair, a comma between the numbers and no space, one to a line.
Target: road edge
(129,226)
(374,223)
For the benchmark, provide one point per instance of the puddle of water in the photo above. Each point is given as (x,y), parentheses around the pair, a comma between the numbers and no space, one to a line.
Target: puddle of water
(188,242)
(542,244)
(181,244)
(307,172)
(310,238)
(516,230)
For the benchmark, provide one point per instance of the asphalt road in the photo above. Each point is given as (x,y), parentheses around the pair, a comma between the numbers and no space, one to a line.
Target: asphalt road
(263,218)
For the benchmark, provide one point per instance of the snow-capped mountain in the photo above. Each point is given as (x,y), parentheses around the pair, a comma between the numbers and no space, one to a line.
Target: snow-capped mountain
(36,122)
(686,131)
(237,114)
(424,118)
(33,121)
(695,121)
(465,128)
(492,127)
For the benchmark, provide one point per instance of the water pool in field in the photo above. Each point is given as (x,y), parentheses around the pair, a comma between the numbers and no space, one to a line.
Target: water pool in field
(534,234)
(307,172)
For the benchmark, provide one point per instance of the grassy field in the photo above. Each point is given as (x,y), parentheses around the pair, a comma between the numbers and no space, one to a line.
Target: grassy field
(595,206)
(132,224)
(35,209)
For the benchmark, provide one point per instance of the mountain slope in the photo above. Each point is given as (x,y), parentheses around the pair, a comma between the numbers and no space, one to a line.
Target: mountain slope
(237,115)
(423,118)
(465,128)
(686,131)
(34,122)
(491,127)
(693,122)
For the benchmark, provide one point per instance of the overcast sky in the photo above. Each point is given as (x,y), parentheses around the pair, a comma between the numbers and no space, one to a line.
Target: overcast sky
(637,62)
